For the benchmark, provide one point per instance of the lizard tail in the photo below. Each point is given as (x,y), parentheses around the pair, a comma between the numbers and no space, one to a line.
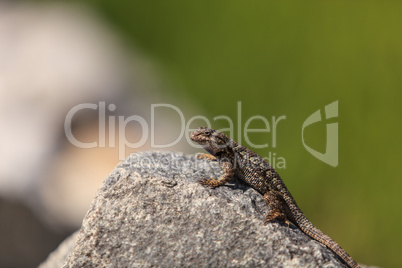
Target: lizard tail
(308,228)
(296,216)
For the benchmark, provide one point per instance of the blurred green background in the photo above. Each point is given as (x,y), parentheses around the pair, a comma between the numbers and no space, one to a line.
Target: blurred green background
(292,58)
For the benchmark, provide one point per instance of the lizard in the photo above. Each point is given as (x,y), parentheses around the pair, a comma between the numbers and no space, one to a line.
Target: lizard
(249,167)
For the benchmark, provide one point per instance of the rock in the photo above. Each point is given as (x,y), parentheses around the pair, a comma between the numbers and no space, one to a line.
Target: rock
(151,211)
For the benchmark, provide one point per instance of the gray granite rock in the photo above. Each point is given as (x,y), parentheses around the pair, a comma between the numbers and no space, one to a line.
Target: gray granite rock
(151,211)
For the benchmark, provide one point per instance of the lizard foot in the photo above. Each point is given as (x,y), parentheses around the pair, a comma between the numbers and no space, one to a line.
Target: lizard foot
(209,157)
(211,182)
(279,216)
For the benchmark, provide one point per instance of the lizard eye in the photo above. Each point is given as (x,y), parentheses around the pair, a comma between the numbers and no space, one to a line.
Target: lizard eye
(207,132)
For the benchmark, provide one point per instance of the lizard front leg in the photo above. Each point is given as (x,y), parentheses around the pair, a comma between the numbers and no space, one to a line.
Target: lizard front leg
(205,156)
(228,173)
(277,206)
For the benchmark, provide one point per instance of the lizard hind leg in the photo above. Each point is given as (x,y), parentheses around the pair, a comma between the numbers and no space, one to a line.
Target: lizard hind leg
(277,206)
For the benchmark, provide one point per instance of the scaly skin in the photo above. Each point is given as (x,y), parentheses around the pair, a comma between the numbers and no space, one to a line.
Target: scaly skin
(251,168)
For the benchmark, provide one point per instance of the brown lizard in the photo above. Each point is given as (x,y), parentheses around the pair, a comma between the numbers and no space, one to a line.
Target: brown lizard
(252,169)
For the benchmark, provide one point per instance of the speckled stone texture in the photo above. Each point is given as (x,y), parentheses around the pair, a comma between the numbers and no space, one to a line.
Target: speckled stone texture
(151,211)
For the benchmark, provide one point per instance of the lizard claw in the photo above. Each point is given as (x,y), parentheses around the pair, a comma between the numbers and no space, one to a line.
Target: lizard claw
(209,157)
(203,181)
(276,216)
(211,182)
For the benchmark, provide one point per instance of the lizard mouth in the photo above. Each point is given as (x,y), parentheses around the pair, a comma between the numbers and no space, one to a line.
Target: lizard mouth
(201,136)
(199,140)
(192,136)
(198,137)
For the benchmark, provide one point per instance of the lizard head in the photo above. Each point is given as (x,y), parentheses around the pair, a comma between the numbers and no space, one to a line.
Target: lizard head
(213,141)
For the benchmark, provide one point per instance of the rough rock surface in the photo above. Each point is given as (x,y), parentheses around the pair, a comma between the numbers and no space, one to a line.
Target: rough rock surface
(151,211)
